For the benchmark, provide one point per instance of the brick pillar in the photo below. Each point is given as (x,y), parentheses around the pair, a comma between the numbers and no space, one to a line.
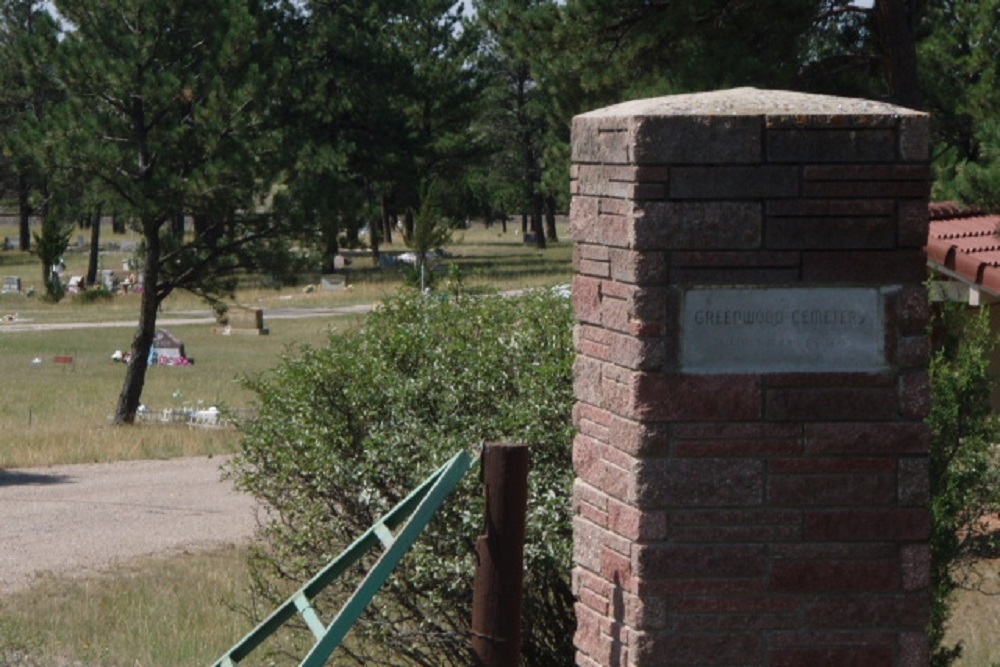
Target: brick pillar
(751,382)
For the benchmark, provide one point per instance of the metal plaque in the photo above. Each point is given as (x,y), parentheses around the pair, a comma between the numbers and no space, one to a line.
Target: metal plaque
(782,330)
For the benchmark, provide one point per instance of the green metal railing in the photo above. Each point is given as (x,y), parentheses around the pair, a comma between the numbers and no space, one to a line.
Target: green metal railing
(410,516)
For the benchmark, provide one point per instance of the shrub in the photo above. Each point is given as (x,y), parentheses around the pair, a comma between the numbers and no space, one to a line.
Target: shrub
(964,469)
(95,294)
(346,431)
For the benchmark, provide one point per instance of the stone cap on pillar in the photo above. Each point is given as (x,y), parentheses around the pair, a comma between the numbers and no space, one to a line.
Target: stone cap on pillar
(694,128)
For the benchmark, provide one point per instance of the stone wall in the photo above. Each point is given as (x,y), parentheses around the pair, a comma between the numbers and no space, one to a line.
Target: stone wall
(751,382)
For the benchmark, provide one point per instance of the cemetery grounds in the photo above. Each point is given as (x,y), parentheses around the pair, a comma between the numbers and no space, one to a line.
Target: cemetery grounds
(187,608)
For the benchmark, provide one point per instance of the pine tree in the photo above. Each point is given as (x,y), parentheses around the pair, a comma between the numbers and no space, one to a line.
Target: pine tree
(163,108)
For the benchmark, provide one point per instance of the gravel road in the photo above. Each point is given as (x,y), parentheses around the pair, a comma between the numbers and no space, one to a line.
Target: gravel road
(82,519)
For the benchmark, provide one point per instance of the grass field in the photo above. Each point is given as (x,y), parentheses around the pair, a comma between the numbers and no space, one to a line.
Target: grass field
(175,611)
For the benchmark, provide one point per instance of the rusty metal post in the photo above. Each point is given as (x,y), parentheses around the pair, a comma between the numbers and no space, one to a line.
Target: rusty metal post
(497,593)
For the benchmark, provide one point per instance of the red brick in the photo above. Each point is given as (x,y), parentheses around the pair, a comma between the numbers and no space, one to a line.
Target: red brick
(911,352)
(830,145)
(644,268)
(590,513)
(588,631)
(818,466)
(830,576)
(856,172)
(593,414)
(662,483)
(914,650)
(849,233)
(853,439)
(648,191)
(880,611)
(722,648)
(737,534)
(587,299)
(801,404)
(736,431)
(831,490)
(830,380)
(617,569)
(733,604)
(585,493)
(593,601)
(588,541)
(758,621)
(701,277)
(587,375)
(734,182)
(716,526)
(830,207)
(858,266)
(615,207)
(913,221)
(814,638)
(914,482)
(835,550)
(912,310)
(644,613)
(640,439)
(697,226)
(685,561)
(588,267)
(601,140)
(697,397)
(614,314)
(636,524)
(914,138)
(916,566)
(702,586)
(736,447)
(868,525)
(591,464)
(585,579)
(640,354)
(862,656)
(727,259)
(915,394)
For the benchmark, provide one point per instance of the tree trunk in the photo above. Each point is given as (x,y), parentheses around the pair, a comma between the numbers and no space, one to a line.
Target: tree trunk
(536,221)
(95,251)
(387,220)
(135,375)
(408,224)
(330,247)
(896,20)
(24,211)
(117,224)
(550,220)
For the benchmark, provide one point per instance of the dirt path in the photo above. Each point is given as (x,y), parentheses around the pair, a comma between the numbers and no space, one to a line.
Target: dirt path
(82,519)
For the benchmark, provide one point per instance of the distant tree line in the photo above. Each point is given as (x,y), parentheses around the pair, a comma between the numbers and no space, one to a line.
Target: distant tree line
(273,125)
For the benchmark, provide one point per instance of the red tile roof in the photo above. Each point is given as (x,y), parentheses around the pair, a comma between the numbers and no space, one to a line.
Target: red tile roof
(964,242)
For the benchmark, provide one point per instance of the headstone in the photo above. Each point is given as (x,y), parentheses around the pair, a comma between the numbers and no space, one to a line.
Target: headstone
(333,282)
(751,382)
(12,284)
(243,321)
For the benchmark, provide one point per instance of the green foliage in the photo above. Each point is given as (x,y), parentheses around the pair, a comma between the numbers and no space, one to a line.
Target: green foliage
(94,294)
(50,245)
(978,183)
(964,470)
(344,432)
